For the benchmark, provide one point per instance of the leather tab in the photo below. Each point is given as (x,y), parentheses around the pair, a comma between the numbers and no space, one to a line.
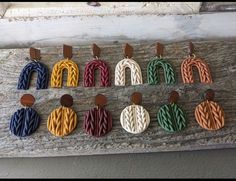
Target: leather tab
(27,100)
(191,48)
(100,100)
(67,51)
(34,54)
(209,95)
(96,51)
(136,98)
(66,100)
(159,49)
(128,50)
(174,97)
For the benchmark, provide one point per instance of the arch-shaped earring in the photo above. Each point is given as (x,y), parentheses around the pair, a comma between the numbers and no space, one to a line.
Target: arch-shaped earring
(209,114)
(25,121)
(94,64)
(34,66)
(128,62)
(156,63)
(98,121)
(200,64)
(171,117)
(70,65)
(135,118)
(63,120)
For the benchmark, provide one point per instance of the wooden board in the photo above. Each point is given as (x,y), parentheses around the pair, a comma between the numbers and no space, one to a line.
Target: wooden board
(221,56)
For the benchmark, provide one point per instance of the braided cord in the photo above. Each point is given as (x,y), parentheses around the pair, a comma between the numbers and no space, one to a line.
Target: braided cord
(57,71)
(152,72)
(89,73)
(26,73)
(203,70)
(24,122)
(136,74)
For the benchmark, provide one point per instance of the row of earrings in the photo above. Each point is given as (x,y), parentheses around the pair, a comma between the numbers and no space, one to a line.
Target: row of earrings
(98,121)
(96,63)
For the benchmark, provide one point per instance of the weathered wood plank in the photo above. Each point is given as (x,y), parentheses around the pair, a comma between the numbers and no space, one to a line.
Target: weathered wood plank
(218,7)
(221,55)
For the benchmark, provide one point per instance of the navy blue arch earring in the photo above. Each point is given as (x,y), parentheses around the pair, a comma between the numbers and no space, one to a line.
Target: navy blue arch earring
(26,120)
(34,66)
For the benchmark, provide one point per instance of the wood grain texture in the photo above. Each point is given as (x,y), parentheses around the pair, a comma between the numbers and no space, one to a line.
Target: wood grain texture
(219,54)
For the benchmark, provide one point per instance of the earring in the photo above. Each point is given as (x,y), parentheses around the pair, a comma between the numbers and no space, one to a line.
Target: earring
(128,62)
(200,64)
(63,120)
(98,121)
(134,118)
(94,64)
(34,66)
(209,114)
(171,116)
(155,64)
(70,65)
(25,121)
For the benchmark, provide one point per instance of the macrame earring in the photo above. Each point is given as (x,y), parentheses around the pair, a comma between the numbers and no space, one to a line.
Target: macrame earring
(94,64)
(209,114)
(63,120)
(134,118)
(200,64)
(34,66)
(26,120)
(128,62)
(155,64)
(70,65)
(171,116)
(98,121)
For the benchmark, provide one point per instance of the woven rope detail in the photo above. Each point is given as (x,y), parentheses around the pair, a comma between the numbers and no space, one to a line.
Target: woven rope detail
(89,73)
(26,73)
(97,122)
(24,122)
(209,115)
(136,74)
(171,118)
(203,69)
(134,119)
(57,71)
(152,71)
(62,121)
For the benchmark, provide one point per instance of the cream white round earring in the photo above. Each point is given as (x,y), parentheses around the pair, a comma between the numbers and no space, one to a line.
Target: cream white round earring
(135,118)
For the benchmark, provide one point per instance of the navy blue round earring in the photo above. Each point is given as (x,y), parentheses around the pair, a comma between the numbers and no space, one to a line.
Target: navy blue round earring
(26,120)
(34,66)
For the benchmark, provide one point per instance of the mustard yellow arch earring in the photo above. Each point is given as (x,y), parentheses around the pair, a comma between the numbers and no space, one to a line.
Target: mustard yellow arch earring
(70,65)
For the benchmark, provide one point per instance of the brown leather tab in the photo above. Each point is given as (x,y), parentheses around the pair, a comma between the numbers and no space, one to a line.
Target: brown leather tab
(27,100)
(136,98)
(96,51)
(67,51)
(190,48)
(174,97)
(34,53)
(159,49)
(209,95)
(100,100)
(66,100)
(128,50)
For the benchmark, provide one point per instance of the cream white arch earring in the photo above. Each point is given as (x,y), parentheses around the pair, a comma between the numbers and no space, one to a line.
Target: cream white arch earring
(128,62)
(135,118)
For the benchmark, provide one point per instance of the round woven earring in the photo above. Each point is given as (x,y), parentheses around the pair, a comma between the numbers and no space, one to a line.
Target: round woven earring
(63,120)
(171,117)
(98,121)
(134,118)
(26,120)
(209,114)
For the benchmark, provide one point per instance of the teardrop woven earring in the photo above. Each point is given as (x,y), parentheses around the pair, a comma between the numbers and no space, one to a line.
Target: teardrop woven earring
(34,66)
(200,64)
(63,120)
(98,121)
(25,121)
(94,64)
(171,117)
(70,65)
(209,114)
(134,118)
(128,62)
(155,64)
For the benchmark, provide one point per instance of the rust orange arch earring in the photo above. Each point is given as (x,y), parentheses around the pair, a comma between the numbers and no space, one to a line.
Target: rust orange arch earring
(200,64)
(70,65)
